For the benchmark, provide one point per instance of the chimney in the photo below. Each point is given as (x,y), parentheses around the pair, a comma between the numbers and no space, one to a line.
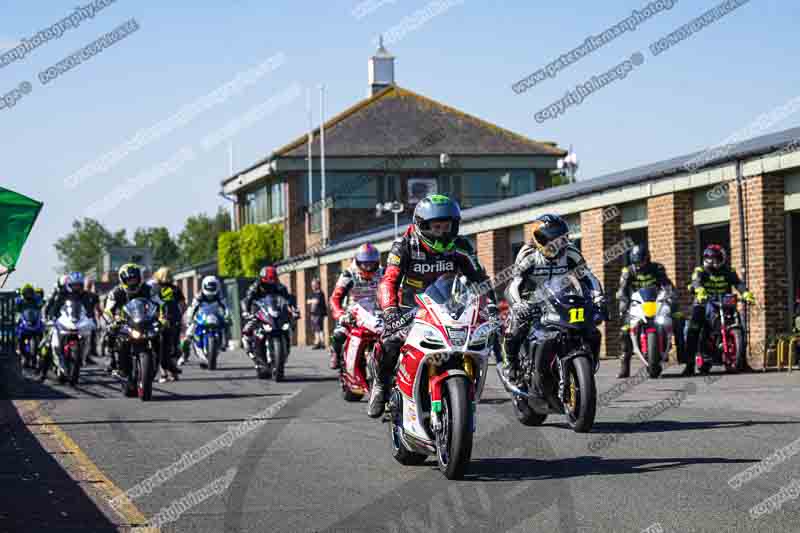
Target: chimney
(381,70)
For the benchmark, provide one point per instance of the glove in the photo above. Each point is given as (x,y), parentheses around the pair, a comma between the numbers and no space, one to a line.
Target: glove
(522,309)
(700,294)
(391,318)
(623,308)
(347,320)
(748,297)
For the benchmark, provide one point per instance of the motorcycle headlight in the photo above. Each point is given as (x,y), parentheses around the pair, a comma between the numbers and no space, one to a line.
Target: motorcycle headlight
(482,333)
(285,327)
(136,334)
(268,327)
(432,336)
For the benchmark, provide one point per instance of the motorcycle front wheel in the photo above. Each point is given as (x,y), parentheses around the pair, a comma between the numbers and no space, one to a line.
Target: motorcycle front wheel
(278,357)
(653,355)
(146,367)
(212,350)
(454,440)
(582,396)
(75,367)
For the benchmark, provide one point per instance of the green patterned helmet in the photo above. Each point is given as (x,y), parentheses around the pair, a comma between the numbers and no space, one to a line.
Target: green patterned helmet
(433,209)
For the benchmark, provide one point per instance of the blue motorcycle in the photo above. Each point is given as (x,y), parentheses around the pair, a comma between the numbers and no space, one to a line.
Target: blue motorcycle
(208,333)
(30,330)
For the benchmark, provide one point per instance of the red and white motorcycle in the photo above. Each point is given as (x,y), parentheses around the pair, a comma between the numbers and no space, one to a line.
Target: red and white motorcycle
(355,374)
(440,377)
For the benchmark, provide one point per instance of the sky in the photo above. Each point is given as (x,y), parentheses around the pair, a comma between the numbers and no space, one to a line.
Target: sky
(468,55)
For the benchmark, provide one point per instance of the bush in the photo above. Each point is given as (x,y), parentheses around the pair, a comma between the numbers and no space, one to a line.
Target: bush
(259,244)
(229,257)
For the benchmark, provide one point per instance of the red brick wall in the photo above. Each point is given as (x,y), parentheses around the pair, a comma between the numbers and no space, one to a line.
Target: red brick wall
(303,285)
(597,237)
(328,274)
(766,255)
(294,227)
(671,238)
(494,252)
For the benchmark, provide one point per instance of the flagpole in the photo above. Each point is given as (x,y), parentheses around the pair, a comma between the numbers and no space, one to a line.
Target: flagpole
(310,152)
(322,163)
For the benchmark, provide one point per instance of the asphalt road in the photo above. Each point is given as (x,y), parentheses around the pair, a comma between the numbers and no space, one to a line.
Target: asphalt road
(660,457)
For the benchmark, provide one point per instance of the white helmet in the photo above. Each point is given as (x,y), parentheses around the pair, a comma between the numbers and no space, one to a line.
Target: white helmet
(210,286)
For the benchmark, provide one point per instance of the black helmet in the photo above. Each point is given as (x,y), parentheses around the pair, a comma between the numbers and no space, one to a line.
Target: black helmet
(130,276)
(437,208)
(550,235)
(640,256)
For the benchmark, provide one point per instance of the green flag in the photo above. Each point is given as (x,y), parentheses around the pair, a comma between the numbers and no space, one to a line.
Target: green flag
(17,215)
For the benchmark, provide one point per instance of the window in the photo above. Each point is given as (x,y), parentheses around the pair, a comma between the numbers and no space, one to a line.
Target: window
(265,203)
(639,236)
(713,234)
(516,238)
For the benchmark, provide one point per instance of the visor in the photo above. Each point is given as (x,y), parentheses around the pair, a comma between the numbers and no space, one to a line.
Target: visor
(368,266)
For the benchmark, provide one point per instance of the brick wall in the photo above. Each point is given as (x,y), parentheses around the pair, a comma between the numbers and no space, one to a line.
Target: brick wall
(494,252)
(294,227)
(597,237)
(328,274)
(303,285)
(288,279)
(765,237)
(671,238)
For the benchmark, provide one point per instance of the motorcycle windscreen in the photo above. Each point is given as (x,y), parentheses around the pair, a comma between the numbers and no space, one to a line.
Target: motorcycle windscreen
(564,297)
(648,294)
(209,313)
(274,304)
(139,310)
(30,316)
(72,309)
(451,293)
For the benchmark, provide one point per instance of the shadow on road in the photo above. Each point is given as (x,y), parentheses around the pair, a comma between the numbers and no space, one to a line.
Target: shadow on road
(309,379)
(657,426)
(38,494)
(526,469)
(175,397)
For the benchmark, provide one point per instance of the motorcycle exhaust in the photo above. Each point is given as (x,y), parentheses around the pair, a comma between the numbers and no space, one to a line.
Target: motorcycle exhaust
(510,387)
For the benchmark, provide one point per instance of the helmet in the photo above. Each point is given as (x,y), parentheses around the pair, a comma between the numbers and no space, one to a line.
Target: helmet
(430,210)
(74,283)
(640,255)
(163,275)
(210,286)
(27,291)
(714,258)
(367,260)
(268,274)
(130,277)
(550,235)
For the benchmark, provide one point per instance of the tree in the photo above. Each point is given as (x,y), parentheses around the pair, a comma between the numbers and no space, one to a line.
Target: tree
(198,240)
(82,248)
(165,250)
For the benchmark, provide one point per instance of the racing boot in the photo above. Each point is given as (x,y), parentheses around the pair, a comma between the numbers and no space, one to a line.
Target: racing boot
(334,364)
(377,399)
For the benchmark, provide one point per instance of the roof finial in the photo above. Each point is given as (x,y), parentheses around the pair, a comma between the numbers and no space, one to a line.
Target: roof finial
(381,49)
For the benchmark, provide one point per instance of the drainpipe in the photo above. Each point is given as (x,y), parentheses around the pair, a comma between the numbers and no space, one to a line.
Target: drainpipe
(235,217)
(743,243)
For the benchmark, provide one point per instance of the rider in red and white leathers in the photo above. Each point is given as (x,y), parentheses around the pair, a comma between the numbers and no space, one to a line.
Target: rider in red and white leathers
(358,283)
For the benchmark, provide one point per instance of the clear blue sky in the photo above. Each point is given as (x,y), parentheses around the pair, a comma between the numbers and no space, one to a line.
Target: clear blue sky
(693,95)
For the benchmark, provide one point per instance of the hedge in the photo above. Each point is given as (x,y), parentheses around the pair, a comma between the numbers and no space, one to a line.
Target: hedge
(242,253)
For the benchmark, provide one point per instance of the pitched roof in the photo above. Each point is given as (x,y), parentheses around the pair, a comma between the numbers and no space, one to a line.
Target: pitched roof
(396,119)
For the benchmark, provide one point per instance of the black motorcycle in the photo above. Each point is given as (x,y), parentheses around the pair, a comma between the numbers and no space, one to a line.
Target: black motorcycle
(141,330)
(567,364)
(272,336)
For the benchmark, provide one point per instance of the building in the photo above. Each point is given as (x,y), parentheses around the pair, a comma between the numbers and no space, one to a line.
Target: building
(395,145)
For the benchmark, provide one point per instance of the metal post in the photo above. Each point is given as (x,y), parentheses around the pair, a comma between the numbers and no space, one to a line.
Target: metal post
(396,214)
(743,248)
(310,153)
(325,235)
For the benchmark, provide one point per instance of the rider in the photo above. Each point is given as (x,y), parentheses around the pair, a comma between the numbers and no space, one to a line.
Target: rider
(27,298)
(267,283)
(429,248)
(130,286)
(549,253)
(96,311)
(72,289)
(715,278)
(357,283)
(211,292)
(172,308)
(642,274)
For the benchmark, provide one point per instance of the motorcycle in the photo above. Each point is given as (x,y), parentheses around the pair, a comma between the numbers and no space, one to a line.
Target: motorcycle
(141,330)
(355,375)
(566,384)
(272,336)
(650,328)
(723,339)
(70,341)
(440,377)
(209,321)
(30,330)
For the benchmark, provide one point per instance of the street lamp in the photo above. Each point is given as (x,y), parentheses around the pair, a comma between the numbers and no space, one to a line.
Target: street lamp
(390,207)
